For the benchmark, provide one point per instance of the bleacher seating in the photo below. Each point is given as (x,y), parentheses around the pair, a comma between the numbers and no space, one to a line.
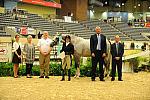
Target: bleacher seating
(108,30)
(82,29)
(77,29)
(134,33)
(42,24)
(4,34)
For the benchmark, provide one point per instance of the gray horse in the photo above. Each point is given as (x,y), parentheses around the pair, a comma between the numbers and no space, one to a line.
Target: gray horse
(82,49)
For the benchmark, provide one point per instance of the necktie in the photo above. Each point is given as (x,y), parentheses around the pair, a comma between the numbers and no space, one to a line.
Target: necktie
(99,42)
(117,45)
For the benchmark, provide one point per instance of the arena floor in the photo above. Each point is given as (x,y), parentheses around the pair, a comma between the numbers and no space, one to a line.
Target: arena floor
(136,86)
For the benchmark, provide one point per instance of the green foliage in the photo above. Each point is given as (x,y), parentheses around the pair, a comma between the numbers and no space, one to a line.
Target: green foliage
(55,69)
(6,69)
(36,70)
(136,62)
(85,69)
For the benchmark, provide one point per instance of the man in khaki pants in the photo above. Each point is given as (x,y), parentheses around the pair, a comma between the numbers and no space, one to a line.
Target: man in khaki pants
(44,57)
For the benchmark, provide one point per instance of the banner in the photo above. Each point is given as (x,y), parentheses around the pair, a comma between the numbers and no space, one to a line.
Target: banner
(147,25)
(23,31)
(5,49)
(42,2)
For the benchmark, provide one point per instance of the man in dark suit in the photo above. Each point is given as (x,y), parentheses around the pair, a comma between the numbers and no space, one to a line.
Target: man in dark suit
(117,51)
(98,52)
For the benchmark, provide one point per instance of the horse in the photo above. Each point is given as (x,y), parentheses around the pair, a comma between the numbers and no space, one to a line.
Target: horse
(82,49)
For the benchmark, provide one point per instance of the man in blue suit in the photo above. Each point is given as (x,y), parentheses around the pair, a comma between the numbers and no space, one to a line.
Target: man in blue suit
(117,51)
(98,52)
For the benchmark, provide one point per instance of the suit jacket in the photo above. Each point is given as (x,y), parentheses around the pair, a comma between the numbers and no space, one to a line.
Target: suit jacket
(69,49)
(114,50)
(94,42)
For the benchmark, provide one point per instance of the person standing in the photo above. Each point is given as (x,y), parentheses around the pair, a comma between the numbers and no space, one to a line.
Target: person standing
(44,56)
(16,55)
(68,48)
(98,52)
(117,51)
(29,50)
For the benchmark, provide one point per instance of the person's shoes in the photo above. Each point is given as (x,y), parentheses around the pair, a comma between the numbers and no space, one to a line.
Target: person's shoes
(63,79)
(112,79)
(29,77)
(16,77)
(120,80)
(69,79)
(47,77)
(93,79)
(102,80)
(41,77)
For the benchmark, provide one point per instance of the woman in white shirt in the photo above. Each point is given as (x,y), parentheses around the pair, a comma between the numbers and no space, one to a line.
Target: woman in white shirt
(17,55)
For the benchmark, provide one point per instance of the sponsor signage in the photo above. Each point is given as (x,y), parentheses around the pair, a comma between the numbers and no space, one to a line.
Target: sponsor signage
(5,51)
(42,2)
(23,31)
(147,25)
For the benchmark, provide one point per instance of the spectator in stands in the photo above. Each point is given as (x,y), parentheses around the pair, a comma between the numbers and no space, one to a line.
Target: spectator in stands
(144,46)
(14,10)
(29,50)
(98,52)
(117,51)
(44,57)
(135,20)
(39,35)
(132,46)
(68,48)
(16,55)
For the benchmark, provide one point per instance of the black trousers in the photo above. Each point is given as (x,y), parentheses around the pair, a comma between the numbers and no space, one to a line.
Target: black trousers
(117,63)
(29,68)
(95,60)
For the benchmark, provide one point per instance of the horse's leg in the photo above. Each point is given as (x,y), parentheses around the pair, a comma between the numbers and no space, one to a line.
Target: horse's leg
(107,67)
(77,64)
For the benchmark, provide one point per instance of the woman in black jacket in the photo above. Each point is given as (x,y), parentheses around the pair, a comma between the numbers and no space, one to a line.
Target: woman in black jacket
(68,48)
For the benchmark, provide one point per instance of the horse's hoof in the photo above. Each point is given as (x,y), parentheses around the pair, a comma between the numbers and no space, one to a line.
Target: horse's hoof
(75,76)
(105,75)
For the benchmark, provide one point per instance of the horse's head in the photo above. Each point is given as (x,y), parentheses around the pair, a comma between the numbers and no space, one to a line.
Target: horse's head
(60,38)
(55,41)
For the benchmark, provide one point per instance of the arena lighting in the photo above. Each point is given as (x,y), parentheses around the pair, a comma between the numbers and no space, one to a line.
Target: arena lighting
(134,6)
(118,5)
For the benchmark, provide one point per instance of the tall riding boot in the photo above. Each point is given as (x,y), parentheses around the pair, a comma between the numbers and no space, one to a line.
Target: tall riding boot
(69,74)
(63,75)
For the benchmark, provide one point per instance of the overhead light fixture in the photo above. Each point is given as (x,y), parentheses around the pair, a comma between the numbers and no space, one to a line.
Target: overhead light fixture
(139,5)
(106,2)
(122,4)
(148,7)
(134,6)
